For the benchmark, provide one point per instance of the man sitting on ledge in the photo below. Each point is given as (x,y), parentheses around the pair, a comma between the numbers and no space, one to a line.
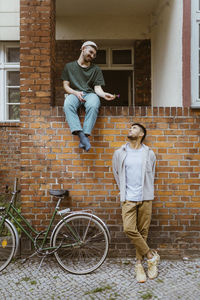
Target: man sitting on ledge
(83,81)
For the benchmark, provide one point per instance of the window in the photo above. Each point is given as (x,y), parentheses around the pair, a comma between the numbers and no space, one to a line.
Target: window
(195,53)
(117,67)
(9,82)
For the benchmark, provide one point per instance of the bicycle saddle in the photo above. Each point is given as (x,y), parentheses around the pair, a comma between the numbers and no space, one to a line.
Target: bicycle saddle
(59,192)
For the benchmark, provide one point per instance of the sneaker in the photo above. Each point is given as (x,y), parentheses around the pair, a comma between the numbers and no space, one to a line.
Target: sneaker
(153,265)
(140,274)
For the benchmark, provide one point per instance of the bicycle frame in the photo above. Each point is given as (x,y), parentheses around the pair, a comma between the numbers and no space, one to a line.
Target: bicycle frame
(79,234)
(13,213)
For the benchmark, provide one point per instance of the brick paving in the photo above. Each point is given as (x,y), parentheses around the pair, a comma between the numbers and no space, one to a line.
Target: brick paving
(115,279)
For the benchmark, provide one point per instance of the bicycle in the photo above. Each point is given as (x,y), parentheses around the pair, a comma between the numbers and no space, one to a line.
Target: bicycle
(79,241)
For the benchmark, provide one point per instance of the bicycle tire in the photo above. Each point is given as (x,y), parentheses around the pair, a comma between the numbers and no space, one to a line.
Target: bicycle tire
(8,244)
(89,253)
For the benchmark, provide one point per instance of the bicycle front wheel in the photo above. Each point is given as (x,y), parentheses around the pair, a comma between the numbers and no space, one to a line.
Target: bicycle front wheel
(7,244)
(83,244)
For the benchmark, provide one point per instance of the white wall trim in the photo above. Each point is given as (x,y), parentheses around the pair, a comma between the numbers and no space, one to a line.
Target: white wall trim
(195,56)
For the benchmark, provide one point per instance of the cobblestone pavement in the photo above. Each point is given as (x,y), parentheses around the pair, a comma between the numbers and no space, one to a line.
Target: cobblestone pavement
(115,279)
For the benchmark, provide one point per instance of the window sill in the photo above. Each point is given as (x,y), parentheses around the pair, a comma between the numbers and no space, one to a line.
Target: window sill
(195,106)
(9,123)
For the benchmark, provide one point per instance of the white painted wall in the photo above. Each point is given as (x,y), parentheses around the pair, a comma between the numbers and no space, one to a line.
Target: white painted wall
(166,36)
(9,20)
(101,27)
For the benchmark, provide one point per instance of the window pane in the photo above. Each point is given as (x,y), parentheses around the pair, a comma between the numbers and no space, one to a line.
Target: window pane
(12,55)
(13,78)
(121,57)
(13,95)
(117,82)
(101,57)
(14,112)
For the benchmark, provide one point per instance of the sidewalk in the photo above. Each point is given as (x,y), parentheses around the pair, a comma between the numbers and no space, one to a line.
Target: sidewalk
(115,279)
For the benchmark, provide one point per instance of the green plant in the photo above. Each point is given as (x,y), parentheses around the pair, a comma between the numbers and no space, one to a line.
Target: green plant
(99,290)
(147,296)
(25,279)
(4,201)
(160,281)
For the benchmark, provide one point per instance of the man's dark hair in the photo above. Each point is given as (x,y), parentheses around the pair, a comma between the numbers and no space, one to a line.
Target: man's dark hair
(143,129)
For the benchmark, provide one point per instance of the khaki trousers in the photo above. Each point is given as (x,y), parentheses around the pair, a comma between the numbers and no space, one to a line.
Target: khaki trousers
(136,221)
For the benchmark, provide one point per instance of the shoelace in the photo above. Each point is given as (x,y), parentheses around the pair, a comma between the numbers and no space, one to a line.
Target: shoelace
(152,263)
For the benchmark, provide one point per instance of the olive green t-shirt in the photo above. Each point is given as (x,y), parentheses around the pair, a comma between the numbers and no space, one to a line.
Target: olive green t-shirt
(82,79)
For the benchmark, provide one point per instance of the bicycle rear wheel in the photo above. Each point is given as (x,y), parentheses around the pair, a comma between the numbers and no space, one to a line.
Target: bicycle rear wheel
(7,244)
(84,244)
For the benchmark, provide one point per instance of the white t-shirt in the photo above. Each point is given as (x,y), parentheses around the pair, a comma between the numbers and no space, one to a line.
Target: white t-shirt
(133,169)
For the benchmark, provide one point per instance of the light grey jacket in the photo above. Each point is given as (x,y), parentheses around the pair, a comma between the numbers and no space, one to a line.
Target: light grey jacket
(148,172)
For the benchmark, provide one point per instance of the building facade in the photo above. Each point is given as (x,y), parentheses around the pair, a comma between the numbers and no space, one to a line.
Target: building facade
(149,53)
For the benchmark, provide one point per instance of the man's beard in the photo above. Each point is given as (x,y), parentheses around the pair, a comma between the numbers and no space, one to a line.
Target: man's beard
(132,138)
(87,59)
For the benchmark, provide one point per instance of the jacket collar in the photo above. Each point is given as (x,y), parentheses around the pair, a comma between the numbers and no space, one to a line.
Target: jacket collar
(123,147)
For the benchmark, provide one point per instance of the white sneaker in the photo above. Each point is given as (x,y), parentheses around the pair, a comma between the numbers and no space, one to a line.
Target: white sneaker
(140,274)
(153,265)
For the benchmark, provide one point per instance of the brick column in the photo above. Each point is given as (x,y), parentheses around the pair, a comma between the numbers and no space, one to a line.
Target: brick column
(37,46)
(142,72)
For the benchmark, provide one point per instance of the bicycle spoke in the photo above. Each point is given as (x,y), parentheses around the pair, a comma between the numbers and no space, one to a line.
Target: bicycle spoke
(94,237)
(89,252)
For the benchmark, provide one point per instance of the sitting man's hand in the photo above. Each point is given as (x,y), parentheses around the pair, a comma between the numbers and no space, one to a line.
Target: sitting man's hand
(79,95)
(109,97)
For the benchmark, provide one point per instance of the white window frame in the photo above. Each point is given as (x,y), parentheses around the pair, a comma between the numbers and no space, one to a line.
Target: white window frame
(109,65)
(120,67)
(4,68)
(195,53)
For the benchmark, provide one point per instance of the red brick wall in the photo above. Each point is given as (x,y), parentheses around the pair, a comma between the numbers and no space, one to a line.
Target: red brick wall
(37,68)
(53,160)
(142,72)
(50,157)
(9,154)
(37,54)
(66,51)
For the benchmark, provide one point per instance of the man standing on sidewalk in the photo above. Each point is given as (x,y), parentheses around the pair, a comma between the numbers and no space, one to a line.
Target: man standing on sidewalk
(83,81)
(134,170)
